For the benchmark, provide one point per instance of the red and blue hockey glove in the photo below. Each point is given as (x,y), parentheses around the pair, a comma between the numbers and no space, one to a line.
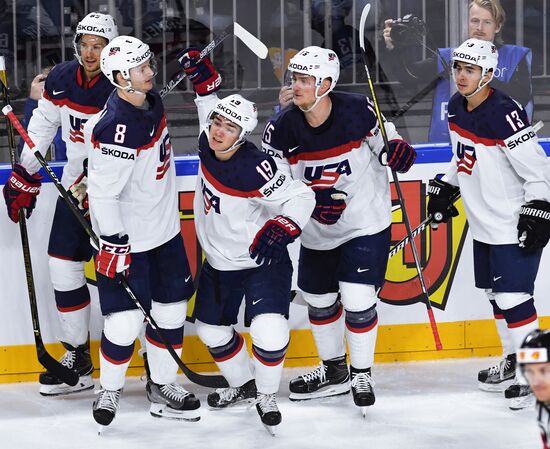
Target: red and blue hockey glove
(271,241)
(113,256)
(534,224)
(21,191)
(202,74)
(401,156)
(329,205)
(440,203)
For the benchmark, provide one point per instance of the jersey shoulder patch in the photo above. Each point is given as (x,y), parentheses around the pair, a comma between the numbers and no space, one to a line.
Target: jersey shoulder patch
(509,117)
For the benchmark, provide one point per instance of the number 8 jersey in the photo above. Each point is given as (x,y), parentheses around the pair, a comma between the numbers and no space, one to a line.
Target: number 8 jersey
(497,163)
(131,174)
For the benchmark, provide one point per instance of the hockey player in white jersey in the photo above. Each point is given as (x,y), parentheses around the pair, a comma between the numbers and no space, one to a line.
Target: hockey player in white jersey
(73,92)
(332,142)
(246,213)
(504,179)
(534,362)
(134,209)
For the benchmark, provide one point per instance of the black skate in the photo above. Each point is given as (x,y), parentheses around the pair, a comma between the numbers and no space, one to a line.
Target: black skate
(224,397)
(266,405)
(105,407)
(77,359)
(520,396)
(172,401)
(362,388)
(330,378)
(497,376)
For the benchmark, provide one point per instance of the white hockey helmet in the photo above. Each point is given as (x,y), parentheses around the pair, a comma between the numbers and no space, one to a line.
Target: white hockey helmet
(97,24)
(318,62)
(121,55)
(238,110)
(478,52)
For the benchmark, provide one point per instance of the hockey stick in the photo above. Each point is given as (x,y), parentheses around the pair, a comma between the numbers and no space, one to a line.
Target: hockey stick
(63,373)
(246,38)
(433,324)
(215,381)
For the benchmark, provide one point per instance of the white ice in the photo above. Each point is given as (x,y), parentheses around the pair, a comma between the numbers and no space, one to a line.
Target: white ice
(419,405)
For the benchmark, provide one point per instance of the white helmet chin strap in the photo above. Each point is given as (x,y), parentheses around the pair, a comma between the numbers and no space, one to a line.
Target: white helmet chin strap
(479,87)
(317,100)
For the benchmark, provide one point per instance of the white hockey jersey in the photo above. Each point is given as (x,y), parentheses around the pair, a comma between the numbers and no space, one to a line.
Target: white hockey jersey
(234,198)
(67,101)
(131,173)
(341,153)
(497,163)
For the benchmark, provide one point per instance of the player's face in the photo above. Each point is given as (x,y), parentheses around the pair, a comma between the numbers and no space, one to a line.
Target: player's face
(142,76)
(303,89)
(90,47)
(538,376)
(223,133)
(481,24)
(466,77)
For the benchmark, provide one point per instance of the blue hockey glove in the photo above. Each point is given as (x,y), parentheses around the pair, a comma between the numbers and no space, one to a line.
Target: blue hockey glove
(202,74)
(401,156)
(329,205)
(271,241)
(534,224)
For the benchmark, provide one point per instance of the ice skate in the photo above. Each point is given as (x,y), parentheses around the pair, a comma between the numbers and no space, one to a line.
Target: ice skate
(225,397)
(498,377)
(266,405)
(362,389)
(521,396)
(105,407)
(172,401)
(330,378)
(77,359)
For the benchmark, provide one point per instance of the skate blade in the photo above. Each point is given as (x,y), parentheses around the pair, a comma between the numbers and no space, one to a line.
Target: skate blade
(163,411)
(84,383)
(364,411)
(333,390)
(100,429)
(245,404)
(495,388)
(270,429)
(522,403)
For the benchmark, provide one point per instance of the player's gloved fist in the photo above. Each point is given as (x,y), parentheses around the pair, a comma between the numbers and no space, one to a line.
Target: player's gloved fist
(401,156)
(440,203)
(534,224)
(78,191)
(271,241)
(202,74)
(113,255)
(329,205)
(21,191)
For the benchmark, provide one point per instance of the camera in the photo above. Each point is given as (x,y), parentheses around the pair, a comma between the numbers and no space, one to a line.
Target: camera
(407,30)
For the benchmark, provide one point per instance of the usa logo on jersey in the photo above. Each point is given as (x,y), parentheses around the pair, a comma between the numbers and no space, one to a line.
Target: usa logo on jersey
(326,175)
(466,155)
(76,133)
(209,199)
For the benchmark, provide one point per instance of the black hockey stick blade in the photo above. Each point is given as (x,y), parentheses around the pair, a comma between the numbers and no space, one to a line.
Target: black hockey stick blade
(60,371)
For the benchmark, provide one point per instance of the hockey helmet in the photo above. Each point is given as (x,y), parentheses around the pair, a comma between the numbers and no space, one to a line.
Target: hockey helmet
(238,110)
(97,24)
(121,55)
(535,348)
(318,62)
(478,52)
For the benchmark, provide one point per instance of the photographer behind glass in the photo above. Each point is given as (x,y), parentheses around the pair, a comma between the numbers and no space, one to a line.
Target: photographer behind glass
(485,21)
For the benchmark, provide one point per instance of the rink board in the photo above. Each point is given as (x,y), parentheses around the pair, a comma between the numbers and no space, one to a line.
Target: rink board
(462,311)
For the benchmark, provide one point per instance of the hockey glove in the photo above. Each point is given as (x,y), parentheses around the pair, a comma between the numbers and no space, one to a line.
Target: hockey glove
(329,205)
(440,203)
(202,74)
(401,156)
(20,191)
(271,241)
(78,190)
(113,256)
(534,224)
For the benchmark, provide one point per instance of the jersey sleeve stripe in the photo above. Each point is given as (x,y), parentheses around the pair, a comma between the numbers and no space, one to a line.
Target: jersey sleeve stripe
(325,154)
(228,190)
(71,104)
(475,139)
